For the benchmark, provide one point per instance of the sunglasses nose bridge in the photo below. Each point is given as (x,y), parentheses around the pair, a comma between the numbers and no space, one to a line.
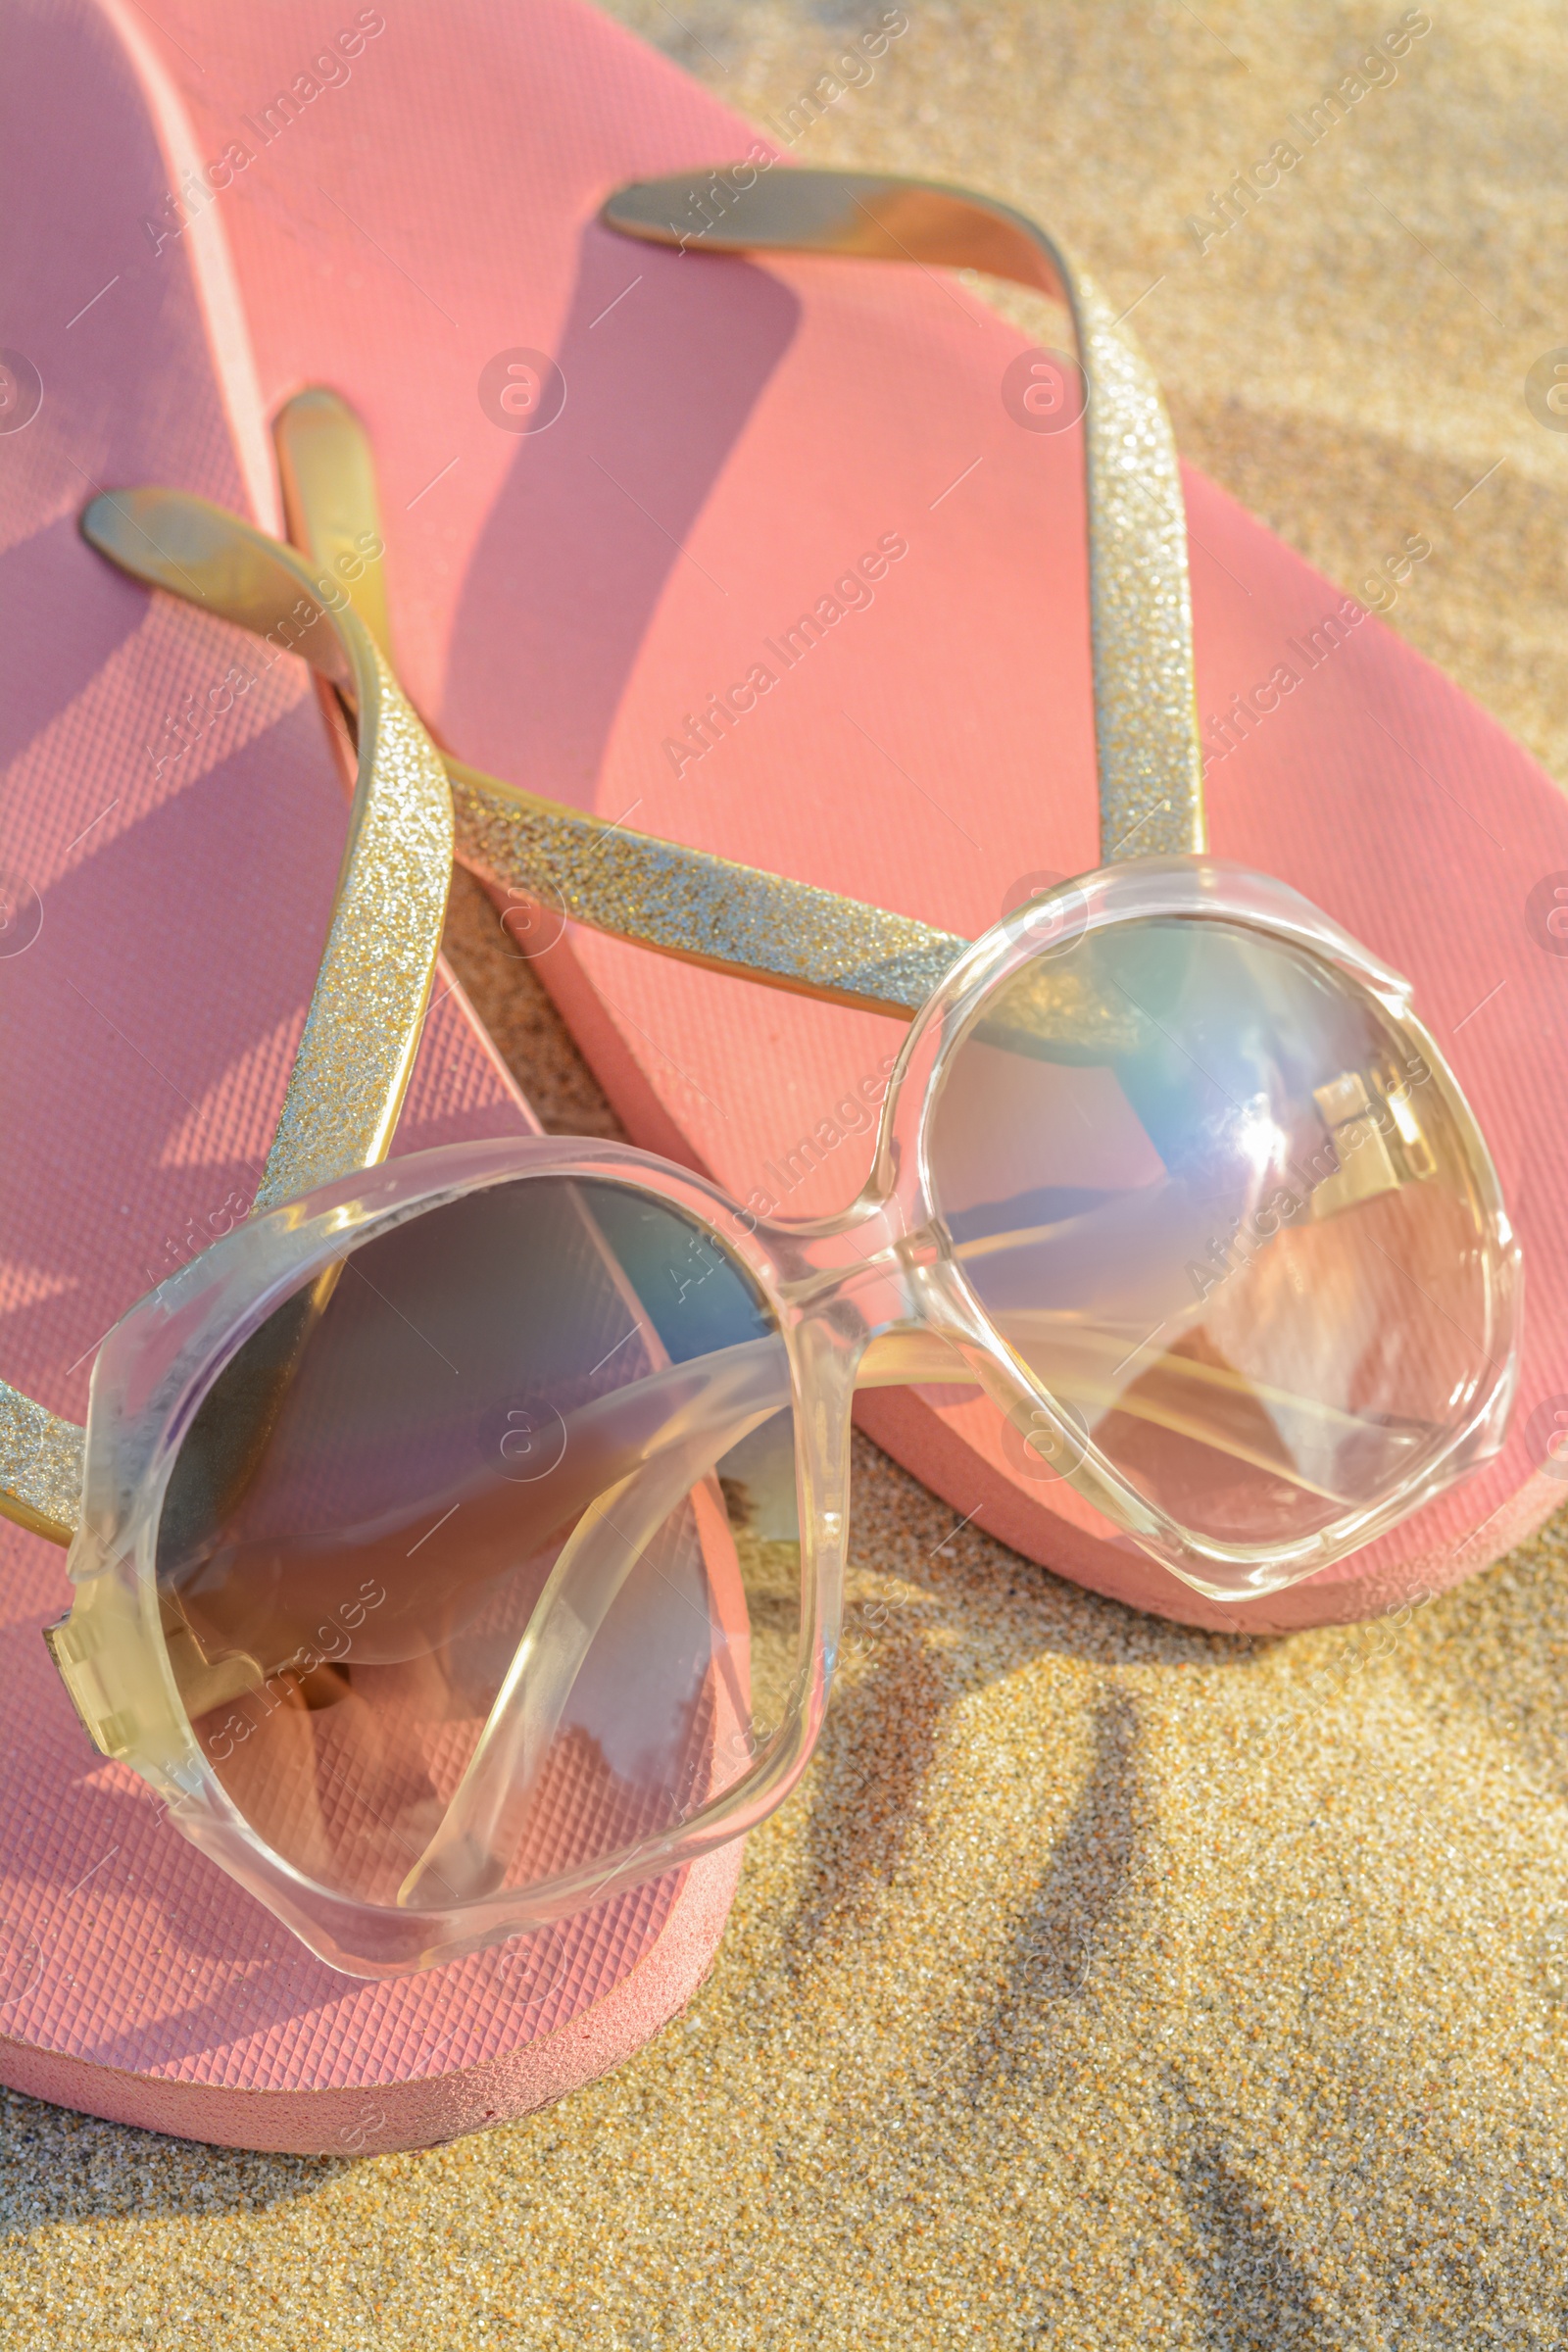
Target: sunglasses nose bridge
(873,1280)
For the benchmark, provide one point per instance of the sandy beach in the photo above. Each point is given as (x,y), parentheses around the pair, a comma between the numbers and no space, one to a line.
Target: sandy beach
(1105,1984)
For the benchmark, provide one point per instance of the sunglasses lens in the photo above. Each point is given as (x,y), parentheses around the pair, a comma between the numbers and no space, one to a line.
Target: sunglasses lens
(1209,1191)
(480,1564)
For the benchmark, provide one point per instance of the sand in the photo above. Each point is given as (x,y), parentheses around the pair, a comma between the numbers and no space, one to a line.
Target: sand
(1105,1984)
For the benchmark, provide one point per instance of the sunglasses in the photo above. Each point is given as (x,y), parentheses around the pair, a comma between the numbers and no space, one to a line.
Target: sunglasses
(462,1541)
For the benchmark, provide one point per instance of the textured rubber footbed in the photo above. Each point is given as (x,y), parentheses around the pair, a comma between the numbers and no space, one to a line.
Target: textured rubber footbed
(164,909)
(732,439)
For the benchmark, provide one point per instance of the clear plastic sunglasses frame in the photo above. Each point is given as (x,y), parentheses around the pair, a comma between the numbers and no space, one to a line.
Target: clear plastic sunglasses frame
(875,1295)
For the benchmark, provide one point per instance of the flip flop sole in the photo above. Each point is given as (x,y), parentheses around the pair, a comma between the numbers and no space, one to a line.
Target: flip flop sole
(170,841)
(697,453)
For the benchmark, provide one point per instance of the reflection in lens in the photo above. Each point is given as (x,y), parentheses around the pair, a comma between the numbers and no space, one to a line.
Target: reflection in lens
(1209,1193)
(479,1562)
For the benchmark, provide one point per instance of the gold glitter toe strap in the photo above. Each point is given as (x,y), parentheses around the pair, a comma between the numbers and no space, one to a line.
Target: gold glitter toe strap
(1146,714)
(731,917)
(702,909)
(357,1052)
(680,901)
(361,1032)
(40,1468)
(737,918)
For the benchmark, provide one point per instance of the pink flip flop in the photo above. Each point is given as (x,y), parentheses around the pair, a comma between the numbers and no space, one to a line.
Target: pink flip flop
(171,842)
(619,480)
